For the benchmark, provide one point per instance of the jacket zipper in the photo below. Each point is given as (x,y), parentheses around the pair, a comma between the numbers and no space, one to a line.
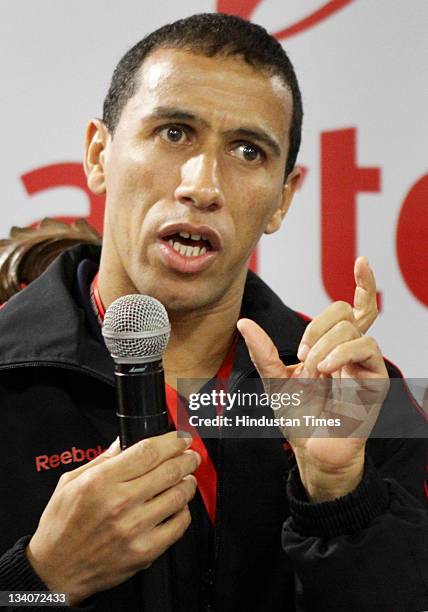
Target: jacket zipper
(211,575)
(212,571)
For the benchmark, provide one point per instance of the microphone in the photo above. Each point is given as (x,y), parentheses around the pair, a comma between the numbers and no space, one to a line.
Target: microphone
(136,331)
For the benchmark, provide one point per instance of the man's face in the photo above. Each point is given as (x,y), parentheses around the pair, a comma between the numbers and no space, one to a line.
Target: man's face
(193,176)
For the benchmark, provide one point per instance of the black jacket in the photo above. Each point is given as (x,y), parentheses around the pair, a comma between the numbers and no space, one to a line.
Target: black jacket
(271,550)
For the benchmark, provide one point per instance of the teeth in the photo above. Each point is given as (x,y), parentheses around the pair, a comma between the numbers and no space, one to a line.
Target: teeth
(191,236)
(187,251)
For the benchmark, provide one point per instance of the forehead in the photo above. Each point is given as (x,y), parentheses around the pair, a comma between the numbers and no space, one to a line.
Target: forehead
(219,89)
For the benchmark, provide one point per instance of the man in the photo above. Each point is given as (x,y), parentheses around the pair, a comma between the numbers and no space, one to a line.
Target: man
(201,119)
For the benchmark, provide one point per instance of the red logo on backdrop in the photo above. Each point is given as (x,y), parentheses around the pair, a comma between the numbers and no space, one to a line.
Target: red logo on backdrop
(411,240)
(67,174)
(245,8)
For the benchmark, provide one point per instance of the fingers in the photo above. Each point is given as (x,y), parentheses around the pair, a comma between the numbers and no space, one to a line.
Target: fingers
(336,312)
(363,314)
(365,304)
(363,351)
(137,459)
(164,505)
(112,451)
(343,331)
(262,350)
(163,477)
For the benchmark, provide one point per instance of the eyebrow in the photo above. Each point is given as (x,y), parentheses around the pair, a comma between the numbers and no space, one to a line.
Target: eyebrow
(167,112)
(260,136)
(178,114)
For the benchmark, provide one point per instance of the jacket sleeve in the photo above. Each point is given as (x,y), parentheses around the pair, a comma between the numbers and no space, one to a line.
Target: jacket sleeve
(366,551)
(17,574)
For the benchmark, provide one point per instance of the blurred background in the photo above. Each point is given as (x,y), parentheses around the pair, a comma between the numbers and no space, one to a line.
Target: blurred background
(362,68)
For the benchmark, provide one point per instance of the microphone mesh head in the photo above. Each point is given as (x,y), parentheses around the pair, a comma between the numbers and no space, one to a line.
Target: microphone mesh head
(136,329)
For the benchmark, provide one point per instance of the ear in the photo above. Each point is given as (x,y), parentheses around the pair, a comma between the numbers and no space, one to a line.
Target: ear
(288,191)
(96,139)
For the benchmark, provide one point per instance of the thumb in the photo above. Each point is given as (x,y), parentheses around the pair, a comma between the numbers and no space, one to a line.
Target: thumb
(262,350)
(365,303)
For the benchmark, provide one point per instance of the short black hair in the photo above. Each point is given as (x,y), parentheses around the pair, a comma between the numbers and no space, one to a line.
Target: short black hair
(209,34)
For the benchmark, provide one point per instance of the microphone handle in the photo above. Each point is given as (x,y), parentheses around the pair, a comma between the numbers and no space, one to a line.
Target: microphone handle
(142,409)
(142,413)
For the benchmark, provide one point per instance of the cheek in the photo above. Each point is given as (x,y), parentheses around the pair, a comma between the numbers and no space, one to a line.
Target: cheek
(128,180)
(133,185)
(256,207)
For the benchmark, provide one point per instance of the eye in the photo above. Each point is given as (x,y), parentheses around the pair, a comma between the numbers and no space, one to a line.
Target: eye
(248,152)
(173,133)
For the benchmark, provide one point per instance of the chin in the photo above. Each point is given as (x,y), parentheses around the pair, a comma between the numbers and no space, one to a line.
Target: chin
(180,298)
(182,304)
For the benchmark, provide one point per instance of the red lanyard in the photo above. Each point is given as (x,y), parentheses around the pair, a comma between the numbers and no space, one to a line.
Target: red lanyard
(206,473)
(97,304)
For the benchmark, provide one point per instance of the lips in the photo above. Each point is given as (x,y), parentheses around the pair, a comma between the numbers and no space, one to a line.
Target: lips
(188,248)
(206,237)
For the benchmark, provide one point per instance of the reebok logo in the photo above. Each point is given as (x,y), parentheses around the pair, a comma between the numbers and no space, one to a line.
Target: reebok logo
(75,455)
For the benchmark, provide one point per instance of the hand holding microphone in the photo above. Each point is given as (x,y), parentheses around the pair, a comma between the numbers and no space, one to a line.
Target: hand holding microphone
(114,516)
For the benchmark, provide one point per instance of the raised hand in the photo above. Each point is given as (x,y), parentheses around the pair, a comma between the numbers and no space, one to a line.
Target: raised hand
(332,347)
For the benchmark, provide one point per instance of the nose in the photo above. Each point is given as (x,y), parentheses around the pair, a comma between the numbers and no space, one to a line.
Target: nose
(200,184)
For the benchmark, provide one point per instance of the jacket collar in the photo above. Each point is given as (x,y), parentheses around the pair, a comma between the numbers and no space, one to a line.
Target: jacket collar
(43,325)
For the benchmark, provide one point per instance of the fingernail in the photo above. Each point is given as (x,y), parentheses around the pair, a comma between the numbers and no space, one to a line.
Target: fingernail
(303,351)
(115,443)
(114,446)
(185,435)
(198,457)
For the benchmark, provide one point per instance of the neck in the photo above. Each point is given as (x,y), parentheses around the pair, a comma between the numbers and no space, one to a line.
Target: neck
(200,340)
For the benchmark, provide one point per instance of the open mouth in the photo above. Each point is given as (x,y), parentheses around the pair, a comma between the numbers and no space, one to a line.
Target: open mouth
(189,245)
(188,248)
(191,240)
